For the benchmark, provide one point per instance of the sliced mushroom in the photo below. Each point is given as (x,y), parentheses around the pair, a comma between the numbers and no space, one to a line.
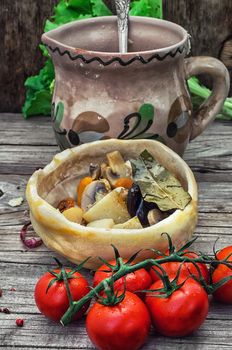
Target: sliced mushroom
(103,167)
(117,168)
(94,192)
(117,163)
(124,193)
(154,216)
(129,168)
(110,176)
(95,171)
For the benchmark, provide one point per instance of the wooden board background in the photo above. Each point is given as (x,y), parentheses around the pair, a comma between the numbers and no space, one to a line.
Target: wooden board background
(21,25)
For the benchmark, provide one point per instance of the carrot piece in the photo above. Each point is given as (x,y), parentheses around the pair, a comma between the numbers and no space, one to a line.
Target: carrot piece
(125,182)
(81,187)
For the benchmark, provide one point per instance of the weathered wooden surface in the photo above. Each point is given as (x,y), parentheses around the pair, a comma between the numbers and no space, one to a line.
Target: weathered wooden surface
(21,22)
(208,22)
(26,145)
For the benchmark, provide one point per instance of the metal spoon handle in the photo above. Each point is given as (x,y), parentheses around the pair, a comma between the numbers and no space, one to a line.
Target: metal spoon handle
(122,9)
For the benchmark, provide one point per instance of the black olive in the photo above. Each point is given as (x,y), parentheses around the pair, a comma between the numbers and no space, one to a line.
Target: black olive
(133,199)
(143,210)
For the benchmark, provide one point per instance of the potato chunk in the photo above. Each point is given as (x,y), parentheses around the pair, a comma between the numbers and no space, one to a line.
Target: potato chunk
(112,206)
(133,223)
(74,214)
(103,223)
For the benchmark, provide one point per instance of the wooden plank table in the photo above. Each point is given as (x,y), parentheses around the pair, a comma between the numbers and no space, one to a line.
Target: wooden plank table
(27,145)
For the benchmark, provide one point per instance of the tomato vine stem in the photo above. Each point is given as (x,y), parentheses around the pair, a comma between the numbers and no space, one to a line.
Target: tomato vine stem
(124,269)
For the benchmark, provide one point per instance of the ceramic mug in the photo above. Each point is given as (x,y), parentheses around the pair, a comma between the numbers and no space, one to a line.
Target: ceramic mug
(100,93)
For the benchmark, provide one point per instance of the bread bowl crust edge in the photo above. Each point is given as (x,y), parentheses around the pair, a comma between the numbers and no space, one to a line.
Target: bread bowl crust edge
(77,242)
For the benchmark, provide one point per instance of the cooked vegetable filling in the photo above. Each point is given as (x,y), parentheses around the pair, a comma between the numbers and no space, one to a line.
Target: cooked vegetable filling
(123,194)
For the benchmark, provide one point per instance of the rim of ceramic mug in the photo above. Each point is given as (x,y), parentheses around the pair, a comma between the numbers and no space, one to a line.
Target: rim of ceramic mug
(167,50)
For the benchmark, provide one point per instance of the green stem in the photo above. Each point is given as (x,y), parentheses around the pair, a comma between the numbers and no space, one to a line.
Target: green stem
(124,269)
(64,275)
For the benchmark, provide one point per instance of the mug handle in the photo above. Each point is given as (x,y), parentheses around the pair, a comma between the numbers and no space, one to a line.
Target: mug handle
(221,83)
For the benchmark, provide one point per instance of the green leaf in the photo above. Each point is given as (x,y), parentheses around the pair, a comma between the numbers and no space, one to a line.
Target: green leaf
(40,103)
(44,50)
(54,280)
(34,83)
(99,8)
(64,14)
(156,8)
(50,25)
(148,8)
(43,79)
(82,6)
(158,185)
(52,86)
(38,95)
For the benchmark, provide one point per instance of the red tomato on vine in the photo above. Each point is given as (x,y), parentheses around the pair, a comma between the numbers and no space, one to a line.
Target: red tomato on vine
(187,268)
(135,281)
(51,294)
(182,312)
(224,293)
(123,326)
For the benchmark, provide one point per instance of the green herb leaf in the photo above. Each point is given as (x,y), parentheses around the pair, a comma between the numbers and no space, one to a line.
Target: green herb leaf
(82,6)
(38,95)
(50,26)
(44,50)
(157,184)
(148,8)
(40,103)
(99,8)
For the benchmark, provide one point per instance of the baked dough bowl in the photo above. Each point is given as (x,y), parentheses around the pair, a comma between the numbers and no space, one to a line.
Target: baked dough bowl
(58,180)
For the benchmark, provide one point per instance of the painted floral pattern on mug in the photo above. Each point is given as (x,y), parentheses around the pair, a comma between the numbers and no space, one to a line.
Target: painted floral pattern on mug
(57,114)
(91,126)
(179,122)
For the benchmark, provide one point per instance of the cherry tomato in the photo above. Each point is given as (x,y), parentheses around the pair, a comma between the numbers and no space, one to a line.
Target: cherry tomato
(181,313)
(119,327)
(225,253)
(224,293)
(135,281)
(54,303)
(171,268)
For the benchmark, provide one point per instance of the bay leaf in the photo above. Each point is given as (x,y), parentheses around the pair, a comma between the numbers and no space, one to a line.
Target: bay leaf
(157,184)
